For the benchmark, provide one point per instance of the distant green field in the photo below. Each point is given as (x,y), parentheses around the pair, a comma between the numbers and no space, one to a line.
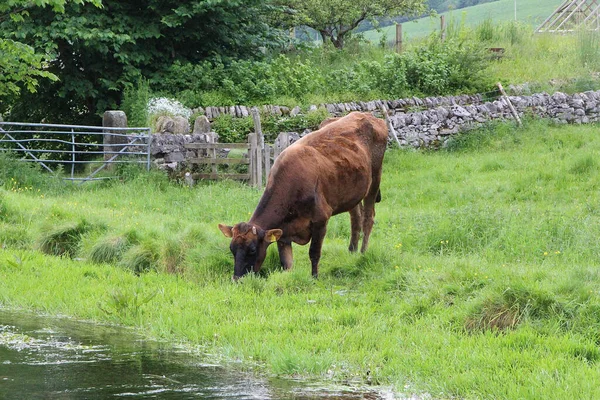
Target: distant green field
(532,12)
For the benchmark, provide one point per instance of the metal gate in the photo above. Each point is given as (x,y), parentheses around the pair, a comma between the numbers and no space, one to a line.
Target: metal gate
(83,150)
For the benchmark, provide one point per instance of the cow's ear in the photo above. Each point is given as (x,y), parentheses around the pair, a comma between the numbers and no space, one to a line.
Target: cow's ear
(227,230)
(273,235)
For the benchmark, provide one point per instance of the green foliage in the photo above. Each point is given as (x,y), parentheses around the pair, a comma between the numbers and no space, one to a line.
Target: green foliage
(135,103)
(236,130)
(98,52)
(455,66)
(434,68)
(335,26)
(240,81)
(273,125)
(232,130)
(20,65)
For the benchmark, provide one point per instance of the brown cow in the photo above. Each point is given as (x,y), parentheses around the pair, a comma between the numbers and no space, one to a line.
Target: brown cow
(330,171)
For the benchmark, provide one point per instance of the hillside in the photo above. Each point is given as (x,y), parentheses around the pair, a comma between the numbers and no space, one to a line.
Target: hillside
(532,12)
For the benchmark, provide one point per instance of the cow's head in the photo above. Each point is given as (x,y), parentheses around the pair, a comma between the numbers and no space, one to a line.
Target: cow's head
(249,246)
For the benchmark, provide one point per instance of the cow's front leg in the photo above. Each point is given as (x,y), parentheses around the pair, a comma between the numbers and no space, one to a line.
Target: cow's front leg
(318,234)
(285,254)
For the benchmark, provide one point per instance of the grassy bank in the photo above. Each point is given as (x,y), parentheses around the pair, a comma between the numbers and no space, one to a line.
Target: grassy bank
(529,12)
(481,281)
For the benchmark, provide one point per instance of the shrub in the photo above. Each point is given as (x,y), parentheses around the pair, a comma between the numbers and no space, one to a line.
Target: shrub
(431,69)
(232,130)
(135,103)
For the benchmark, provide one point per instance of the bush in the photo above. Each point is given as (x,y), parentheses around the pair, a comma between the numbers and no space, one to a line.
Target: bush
(135,103)
(431,69)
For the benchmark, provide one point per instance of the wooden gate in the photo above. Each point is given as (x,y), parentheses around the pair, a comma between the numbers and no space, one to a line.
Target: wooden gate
(256,155)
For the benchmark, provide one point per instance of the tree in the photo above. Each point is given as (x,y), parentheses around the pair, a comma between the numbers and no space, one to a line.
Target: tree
(336,19)
(97,53)
(20,65)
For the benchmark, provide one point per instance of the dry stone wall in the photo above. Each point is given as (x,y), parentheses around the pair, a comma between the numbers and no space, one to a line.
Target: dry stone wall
(339,109)
(432,128)
(438,120)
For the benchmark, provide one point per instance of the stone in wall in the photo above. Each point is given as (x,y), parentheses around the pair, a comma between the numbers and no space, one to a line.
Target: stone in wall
(174,125)
(169,152)
(202,125)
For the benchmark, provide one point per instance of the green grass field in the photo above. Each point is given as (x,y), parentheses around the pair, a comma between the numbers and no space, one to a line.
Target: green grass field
(482,280)
(530,12)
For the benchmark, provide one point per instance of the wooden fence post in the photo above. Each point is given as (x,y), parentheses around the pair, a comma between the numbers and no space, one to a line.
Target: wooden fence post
(252,155)
(388,122)
(281,143)
(443,27)
(260,143)
(211,139)
(514,112)
(399,38)
(267,157)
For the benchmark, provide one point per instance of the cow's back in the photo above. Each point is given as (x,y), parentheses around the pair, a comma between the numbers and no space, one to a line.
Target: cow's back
(339,161)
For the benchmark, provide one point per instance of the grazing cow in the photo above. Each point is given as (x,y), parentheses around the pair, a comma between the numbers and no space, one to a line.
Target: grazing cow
(330,171)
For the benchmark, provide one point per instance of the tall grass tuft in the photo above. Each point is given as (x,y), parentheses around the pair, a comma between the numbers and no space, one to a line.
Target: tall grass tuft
(14,236)
(584,165)
(588,49)
(19,176)
(172,256)
(63,240)
(109,249)
(511,307)
(515,32)
(141,258)
(4,212)
(487,31)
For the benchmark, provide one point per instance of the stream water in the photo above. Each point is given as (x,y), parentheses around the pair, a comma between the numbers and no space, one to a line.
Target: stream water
(58,358)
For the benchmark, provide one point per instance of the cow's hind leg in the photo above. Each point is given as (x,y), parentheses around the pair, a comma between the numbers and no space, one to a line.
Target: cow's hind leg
(369,201)
(356,226)
(285,254)
(318,230)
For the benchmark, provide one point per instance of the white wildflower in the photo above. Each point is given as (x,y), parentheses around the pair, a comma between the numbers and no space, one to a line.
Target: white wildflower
(162,105)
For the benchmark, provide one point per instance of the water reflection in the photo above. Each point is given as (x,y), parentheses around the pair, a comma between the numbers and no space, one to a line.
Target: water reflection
(45,358)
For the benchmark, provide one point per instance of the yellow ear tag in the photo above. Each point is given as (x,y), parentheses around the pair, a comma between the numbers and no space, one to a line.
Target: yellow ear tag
(272,238)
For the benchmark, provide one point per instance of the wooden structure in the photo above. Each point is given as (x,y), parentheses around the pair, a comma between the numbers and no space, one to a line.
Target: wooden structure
(573,15)
(256,155)
(208,154)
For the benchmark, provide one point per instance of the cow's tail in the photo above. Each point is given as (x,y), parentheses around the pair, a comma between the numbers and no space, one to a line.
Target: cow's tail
(378,198)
